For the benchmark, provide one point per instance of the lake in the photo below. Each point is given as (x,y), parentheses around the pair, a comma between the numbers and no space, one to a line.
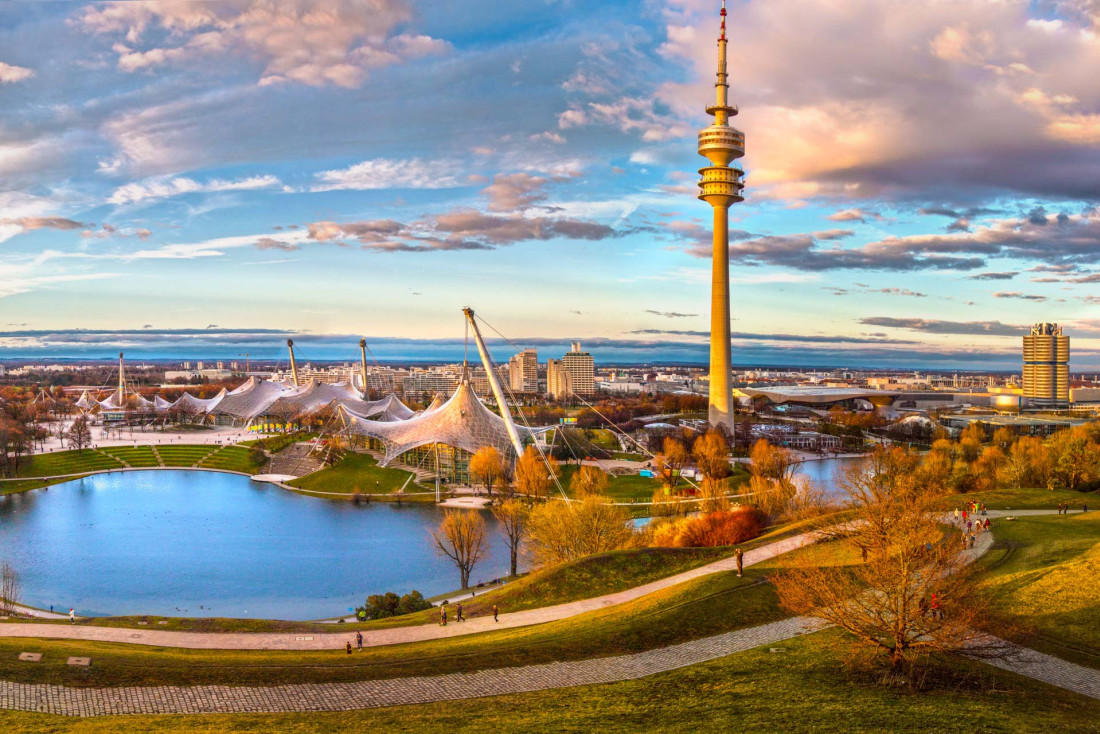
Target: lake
(201,544)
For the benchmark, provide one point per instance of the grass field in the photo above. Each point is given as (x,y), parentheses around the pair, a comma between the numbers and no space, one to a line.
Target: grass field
(1043,573)
(698,608)
(1022,499)
(67,462)
(136,457)
(357,473)
(804,688)
(184,455)
(230,458)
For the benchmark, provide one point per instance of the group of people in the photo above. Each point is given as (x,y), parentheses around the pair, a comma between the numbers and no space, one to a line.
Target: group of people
(460,616)
(1063,508)
(933,609)
(971,523)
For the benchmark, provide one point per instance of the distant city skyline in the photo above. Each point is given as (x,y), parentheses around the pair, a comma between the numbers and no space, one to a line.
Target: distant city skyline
(914,198)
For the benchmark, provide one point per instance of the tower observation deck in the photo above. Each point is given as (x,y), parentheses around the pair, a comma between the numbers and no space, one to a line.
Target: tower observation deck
(720,186)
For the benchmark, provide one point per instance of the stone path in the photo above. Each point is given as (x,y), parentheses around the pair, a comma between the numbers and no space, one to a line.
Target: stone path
(392,636)
(400,691)
(427,689)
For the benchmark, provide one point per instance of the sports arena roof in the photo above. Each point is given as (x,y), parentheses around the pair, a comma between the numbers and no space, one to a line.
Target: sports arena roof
(463,422)
(818,396)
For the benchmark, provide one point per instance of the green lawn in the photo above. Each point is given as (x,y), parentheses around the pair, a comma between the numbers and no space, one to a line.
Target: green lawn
(66,462)
(230,458)
(698,608)
(634,488)
(184,455)
(1021,499)
(804,688)
(26,485)
(137,457)
(1043,573)
(357,473)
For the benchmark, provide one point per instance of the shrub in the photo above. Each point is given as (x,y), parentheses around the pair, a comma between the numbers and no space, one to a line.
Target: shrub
(721,528)
(379,606)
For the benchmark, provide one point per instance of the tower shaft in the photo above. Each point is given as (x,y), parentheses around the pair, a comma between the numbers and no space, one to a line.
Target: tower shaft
(721,186)
(720,409)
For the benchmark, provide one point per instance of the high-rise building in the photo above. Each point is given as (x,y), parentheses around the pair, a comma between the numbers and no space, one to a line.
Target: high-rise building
(523,371)
(1046,366)
(573,374)
(721,186)
(558,381)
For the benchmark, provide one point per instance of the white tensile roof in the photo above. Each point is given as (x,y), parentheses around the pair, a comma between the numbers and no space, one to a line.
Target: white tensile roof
(463,422)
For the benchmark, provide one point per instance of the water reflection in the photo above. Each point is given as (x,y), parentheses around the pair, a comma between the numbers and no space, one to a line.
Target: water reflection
(208,544)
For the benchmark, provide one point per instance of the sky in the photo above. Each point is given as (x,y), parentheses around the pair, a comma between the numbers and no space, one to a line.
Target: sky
(190,179)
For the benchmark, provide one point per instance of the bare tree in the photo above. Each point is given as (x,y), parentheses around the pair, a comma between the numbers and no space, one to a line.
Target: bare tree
(711,454)
(461,537)
(669,463)
(512,516)
(80,435)
(914,594)
(9,589)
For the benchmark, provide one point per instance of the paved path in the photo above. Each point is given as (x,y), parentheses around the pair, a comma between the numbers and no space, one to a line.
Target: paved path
(427,689)
(400,691)
(392,636)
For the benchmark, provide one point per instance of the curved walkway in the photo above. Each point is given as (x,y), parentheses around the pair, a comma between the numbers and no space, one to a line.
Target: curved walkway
(53,699)
(392,636)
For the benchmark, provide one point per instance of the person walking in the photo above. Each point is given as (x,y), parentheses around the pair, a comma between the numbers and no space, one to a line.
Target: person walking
(740,556)
(956,514)
(348,645)
(459,616)
(443,616)
(987,523)
(359,641)
(72,616)
(496,613)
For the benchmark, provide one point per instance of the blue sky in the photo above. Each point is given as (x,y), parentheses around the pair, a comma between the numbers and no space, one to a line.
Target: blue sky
(923,180)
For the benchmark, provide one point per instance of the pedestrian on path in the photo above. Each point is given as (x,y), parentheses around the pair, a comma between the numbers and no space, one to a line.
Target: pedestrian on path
(740,555)
(348,644)
(72,616)
(443,616)
(956,514)
(987,523)
(359,641)
(496,613)
(459,616)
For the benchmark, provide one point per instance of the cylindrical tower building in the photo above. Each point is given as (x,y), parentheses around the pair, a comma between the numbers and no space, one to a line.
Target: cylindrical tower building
(721,186)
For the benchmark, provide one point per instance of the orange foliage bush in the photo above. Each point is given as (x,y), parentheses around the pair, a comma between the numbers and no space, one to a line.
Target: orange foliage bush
(721,528)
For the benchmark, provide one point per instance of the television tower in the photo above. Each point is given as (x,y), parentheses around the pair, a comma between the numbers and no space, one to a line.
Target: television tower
(721,186)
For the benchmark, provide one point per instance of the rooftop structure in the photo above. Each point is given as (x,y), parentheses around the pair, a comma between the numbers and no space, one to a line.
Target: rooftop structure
(820,397)
(721,186)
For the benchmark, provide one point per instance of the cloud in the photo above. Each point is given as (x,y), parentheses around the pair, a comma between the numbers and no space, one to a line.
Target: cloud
(1006,275)
(1019,296)
(11,74)
(671,314)
(918,99)
(770,337)
(515,191)
(31,223)
(269,243)
(334,42)
(385,173)
(935,326)
(163,188)
(852,215)
(459,229)
(804,252)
